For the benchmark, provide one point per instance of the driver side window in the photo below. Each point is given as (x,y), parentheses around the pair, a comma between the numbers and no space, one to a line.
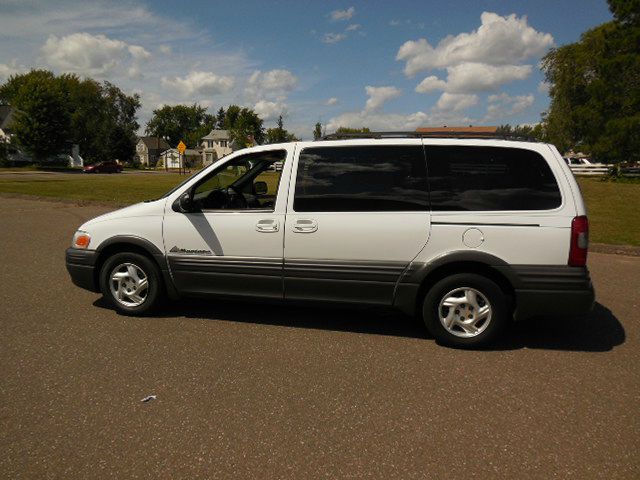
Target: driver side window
(248,182)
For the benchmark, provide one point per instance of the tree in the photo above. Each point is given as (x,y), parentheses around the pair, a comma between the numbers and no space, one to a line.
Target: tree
(352,130)
(317,131)
(595,89)
(99,117)
(188,123)
(279,134)
(243,124)
(536,132)
(220,116)
(41,121)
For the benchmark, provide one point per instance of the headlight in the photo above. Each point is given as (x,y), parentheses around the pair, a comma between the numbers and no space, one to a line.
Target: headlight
(81,239)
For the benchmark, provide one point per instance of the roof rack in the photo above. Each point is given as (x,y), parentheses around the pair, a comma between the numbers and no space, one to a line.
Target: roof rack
(437,134)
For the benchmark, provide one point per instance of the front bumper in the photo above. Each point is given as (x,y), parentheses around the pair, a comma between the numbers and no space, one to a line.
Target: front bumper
(81,268)
(557,291)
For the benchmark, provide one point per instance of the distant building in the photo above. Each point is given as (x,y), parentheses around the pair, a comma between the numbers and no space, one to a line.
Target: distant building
(215,145)
(6,117)
(475,131)
(171,159)
(148,150)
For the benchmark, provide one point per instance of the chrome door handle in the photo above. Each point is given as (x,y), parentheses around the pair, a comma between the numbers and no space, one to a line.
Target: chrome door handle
(305,225)
(268,225)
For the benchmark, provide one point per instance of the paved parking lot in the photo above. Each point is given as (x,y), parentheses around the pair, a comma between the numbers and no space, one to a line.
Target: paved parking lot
(251,391)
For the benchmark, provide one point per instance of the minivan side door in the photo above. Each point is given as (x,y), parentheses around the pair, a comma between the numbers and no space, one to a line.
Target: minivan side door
(357,215)
(233,243)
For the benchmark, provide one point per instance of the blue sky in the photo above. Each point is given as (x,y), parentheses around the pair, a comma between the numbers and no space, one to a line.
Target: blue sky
(385,65)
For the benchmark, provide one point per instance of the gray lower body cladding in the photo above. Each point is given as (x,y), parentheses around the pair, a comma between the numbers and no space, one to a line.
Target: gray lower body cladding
(539,289)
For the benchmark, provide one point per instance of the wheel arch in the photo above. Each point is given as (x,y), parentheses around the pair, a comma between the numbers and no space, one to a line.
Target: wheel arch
(416,282)
(134,244)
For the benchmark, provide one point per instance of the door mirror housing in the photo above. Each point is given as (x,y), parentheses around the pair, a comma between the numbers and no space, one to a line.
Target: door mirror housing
(184,203)
(260,188)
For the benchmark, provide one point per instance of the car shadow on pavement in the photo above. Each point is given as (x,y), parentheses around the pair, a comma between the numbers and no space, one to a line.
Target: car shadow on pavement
(600,331)
(374,321)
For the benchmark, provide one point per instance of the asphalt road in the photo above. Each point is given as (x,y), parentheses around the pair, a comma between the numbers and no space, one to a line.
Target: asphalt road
(250,391)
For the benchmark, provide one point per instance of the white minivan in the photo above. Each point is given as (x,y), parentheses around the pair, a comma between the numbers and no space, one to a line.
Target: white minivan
(467,233)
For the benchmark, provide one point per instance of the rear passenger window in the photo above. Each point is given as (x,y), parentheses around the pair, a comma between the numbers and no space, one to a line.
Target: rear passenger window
(490,178)
(361,179)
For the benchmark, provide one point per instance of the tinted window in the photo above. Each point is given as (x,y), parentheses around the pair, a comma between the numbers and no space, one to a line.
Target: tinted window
(361,179)
(490,178)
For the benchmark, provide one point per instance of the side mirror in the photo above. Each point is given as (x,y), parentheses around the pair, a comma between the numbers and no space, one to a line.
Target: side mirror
(184,203)
(260,188)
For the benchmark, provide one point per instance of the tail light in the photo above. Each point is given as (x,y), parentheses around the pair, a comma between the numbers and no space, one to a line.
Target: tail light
(579,241)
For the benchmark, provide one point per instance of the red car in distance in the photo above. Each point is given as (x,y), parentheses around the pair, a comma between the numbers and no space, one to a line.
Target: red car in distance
(103,167)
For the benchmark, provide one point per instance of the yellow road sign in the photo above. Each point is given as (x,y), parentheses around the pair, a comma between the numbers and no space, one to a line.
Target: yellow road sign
(181,147)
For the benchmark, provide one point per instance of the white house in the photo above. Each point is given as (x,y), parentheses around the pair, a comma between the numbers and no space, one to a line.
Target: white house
(148,150)
(171,158)
(215,145)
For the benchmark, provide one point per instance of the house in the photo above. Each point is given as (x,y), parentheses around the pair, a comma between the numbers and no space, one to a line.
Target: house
(148,150)
(6,117)
(215,145)
(475,131)
(171,159)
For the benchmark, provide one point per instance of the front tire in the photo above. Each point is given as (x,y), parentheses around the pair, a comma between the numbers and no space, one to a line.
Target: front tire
(465,310)
(131,283)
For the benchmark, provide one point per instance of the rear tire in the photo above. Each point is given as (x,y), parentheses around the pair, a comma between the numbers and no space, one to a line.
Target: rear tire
(465,310)
(132,283)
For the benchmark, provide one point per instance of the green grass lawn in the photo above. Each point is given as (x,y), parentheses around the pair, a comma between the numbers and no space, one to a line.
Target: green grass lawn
(614,211)
(116,189)
(614,207)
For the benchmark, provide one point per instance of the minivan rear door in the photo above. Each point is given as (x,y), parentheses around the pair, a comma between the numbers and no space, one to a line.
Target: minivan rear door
(357,214)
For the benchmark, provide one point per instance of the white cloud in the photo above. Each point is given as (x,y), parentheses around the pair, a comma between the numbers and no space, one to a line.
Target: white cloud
(448,112)
(6,70)
(333,37)
(378,96)
(474,77)
(139,53)
(332,101)
(269,110)
(338,15)
(277,83)
(455,102)
(395,23)
(199,83)
(498,41)
(431,84)
(353,27)
(504,105)
(165,49)
(478,77)
(274,80)
(89,54)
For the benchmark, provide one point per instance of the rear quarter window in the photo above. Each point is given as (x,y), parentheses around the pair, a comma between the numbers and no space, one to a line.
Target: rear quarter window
(489,179)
